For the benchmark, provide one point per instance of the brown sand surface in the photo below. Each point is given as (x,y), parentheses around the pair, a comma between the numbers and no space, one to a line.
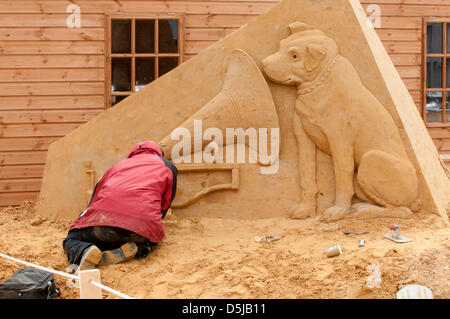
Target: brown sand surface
(219,258)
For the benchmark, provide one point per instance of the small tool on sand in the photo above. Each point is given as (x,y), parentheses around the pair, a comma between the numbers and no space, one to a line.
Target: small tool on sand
(272,238)
(334,251)
(397,237)
(355,233)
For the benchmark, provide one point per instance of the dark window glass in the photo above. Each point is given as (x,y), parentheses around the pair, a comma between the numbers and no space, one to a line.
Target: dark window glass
(434,37)
(145,36)
(121,36)
(145,72)
(434,73)
(167,64)
(117,99)
(448,73)
(121,75)
(447,104)
(168,36)
(434,107)
(448,37)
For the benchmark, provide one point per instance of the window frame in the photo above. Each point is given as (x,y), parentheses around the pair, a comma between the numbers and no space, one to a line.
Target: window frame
(133,55)
(444,55)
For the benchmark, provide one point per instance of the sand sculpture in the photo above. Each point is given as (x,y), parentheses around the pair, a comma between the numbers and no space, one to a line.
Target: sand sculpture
(335,112)
(199,90)
(244,102)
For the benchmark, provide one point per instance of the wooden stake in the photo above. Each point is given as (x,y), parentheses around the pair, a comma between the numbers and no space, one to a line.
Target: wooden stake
(88,290)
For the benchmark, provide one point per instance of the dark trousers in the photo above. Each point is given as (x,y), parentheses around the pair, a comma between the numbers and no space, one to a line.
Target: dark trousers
(105,238)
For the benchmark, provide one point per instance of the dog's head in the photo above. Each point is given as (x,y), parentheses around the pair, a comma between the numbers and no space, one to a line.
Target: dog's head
(302,56)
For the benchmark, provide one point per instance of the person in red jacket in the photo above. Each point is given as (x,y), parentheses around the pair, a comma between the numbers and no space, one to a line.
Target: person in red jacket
(124,216)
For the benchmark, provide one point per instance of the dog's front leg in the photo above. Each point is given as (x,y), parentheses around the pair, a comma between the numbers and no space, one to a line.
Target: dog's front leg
(307,164)
(343,161)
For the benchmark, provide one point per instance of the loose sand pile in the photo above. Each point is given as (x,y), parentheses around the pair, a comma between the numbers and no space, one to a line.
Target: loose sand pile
(219,258)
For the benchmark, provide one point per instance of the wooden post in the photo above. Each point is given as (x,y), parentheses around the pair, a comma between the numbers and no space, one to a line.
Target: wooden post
(88,290)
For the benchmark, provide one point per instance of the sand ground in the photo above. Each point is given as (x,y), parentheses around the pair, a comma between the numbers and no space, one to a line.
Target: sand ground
(219,258)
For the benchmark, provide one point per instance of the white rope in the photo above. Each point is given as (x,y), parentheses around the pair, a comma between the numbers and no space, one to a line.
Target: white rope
(99,285)
(57,272)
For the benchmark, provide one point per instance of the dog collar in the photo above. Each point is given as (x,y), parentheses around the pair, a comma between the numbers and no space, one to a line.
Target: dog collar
(301,90)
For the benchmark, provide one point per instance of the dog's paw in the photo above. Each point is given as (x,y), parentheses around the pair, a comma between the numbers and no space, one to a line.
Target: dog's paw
(302,211)
(334,213)
(362,211)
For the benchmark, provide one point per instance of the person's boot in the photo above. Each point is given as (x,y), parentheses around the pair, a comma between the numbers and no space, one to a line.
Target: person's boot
(91,258)
(123,253)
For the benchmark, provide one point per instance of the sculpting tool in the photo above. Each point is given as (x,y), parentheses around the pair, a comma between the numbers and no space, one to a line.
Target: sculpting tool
(396,237)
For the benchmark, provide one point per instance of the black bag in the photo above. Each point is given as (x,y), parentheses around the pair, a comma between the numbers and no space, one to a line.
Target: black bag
(29,283)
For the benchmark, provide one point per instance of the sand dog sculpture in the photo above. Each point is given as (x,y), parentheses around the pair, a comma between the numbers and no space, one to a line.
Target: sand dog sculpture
(336,113)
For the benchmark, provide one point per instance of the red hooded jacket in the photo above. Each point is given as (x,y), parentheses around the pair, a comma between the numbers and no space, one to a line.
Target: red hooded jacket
(134,194)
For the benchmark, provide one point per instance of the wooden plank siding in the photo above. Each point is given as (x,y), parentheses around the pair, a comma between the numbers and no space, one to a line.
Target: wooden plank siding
(52,78)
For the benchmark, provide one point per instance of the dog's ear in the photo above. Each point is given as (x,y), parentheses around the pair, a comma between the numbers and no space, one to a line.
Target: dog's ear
(314,55)
(299,27)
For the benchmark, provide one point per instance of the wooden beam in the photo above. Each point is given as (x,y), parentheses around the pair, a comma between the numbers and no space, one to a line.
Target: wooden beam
(217,20)
(47,20)
(21,171)
(28,130)
(406,59)
(39,143)
(20,185)
(101,6)
(46,34)
(48,116)
(52,102)
(7,199)
(52,75)
(51,61)
(43,47)
(406,2)
(403,35)
(414,47)
(53,88)
(413,71)
(22,158)
(207,34)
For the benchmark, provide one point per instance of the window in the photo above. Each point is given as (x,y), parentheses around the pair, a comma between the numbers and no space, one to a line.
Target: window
(437,72)
(139,50)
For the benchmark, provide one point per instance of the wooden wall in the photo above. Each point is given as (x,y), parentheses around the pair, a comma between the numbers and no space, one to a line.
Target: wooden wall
(52,77)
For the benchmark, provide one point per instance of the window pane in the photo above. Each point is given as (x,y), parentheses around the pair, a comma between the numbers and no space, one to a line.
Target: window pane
(434,107)
(434,73)
(117,99)
(447,105)
(168,36)
(448,73)
(121,75)
(434,37)
(145,72)
(121,36)
(448,37)
(167,64)
(145,36)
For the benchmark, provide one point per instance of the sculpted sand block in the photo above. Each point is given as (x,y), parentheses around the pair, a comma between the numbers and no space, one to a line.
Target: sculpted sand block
(241,190)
